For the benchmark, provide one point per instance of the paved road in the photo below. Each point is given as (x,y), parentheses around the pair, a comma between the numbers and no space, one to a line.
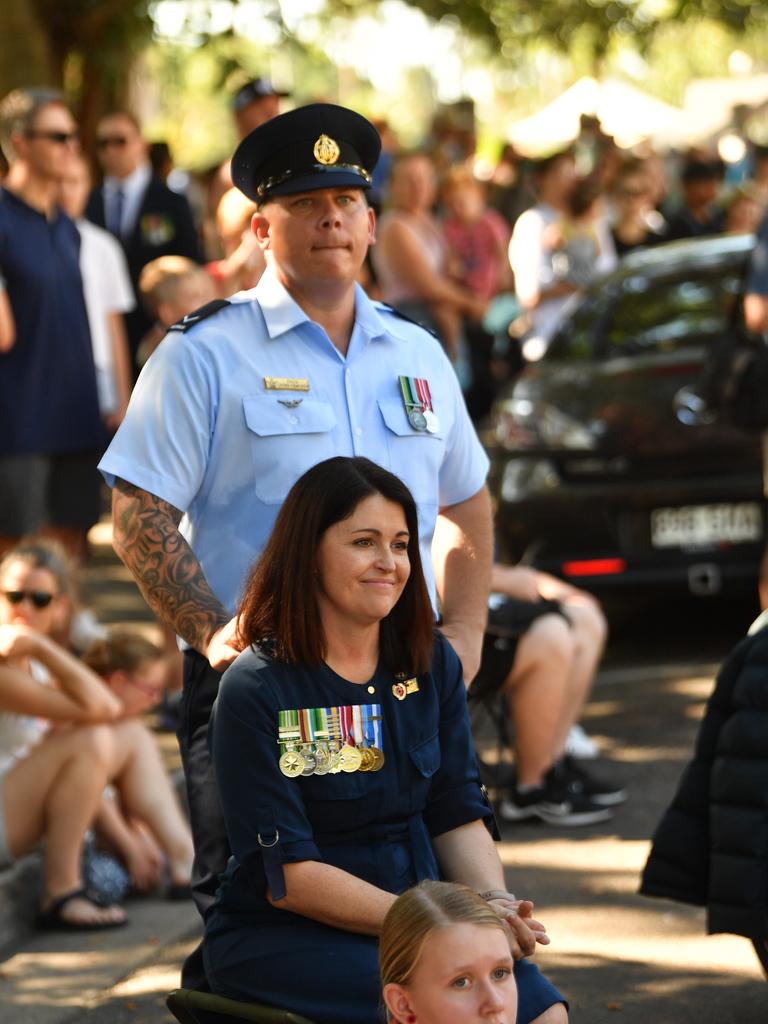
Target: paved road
(619,957)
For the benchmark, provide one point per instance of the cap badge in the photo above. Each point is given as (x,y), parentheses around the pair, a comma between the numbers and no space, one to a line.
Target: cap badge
(326,150)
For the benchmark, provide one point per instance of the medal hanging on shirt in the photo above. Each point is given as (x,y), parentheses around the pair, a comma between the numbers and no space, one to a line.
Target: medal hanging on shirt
(334,739)
(371,715)
(292,762)
(314,731)
(417,400)
(349,756)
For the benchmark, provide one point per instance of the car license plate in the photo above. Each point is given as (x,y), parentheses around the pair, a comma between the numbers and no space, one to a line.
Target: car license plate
(696,525)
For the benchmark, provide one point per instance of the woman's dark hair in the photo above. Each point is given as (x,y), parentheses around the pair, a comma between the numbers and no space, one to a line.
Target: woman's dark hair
(280,601)
(583,195)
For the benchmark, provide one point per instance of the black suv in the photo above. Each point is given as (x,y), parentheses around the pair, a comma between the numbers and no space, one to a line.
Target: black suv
(605,470)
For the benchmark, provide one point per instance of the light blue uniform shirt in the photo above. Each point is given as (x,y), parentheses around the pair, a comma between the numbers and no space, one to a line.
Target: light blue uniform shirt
(204,433)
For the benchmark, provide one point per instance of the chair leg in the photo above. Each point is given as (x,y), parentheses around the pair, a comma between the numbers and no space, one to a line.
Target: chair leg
(760,947)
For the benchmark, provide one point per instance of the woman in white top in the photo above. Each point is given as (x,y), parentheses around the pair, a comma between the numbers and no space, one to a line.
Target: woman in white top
(55,745)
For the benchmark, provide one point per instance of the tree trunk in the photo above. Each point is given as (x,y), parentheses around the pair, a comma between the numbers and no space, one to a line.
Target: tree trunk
(24,56)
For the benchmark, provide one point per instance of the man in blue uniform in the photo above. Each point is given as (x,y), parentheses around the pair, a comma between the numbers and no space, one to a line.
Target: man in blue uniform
(245,396)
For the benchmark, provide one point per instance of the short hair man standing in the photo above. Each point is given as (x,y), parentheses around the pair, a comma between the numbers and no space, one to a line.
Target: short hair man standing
(50,428)
(147,217)
(247,395)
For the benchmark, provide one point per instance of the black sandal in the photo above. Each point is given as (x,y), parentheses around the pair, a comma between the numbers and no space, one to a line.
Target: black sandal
(52,919)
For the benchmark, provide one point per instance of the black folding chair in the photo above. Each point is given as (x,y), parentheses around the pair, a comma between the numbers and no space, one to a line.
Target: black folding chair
(191,1007)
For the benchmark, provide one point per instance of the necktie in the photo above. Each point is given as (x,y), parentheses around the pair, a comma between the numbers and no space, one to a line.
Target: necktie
(115,213)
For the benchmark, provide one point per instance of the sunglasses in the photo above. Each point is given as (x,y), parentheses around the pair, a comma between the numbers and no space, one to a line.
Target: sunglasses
(111,140)
(62,138)
(39,598)
(153,692)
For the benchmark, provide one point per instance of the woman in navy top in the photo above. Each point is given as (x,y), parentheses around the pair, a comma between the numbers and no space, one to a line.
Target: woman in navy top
(344,759)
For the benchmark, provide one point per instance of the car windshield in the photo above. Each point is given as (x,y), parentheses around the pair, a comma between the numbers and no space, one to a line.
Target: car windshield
(660,315)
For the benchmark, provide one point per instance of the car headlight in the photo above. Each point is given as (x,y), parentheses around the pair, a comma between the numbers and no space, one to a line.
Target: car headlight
(559,430)
(523,477)
(513,423)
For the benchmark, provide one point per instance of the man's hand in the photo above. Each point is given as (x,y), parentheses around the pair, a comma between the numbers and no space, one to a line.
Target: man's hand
(468,644)
(223,647)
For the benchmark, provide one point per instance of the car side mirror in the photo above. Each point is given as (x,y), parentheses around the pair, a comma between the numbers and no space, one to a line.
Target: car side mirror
(691,409)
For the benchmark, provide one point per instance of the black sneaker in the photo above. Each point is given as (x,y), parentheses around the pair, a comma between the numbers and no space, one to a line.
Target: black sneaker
(554,804)
(597,790)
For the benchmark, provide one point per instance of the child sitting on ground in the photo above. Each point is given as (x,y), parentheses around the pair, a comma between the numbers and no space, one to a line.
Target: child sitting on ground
(170,287)
(147,835)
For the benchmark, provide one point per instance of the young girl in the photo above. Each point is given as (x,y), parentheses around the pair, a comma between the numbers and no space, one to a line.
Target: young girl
(140,819)
(54,737)
(445,959)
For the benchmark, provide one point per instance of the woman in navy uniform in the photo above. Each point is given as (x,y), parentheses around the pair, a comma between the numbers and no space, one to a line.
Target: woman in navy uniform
(344,759)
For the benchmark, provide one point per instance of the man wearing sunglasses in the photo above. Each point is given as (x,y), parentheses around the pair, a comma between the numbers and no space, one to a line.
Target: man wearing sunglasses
(147,217)
(50,428)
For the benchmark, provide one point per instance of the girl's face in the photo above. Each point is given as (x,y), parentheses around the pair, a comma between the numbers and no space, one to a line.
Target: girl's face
(141,688)
(30,597)
(363,563)
(463,976)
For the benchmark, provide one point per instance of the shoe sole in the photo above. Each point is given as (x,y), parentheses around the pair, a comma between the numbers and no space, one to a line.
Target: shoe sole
(553,814)
(613,799)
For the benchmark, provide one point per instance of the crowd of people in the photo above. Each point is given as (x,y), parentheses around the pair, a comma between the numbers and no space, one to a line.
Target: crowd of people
(299,491)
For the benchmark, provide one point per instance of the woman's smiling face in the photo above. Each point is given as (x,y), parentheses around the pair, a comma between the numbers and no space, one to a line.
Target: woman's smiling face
(363,563)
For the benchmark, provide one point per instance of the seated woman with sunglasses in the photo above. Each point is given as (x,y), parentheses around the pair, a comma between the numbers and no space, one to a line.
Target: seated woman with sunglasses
(51,779)
(344,760)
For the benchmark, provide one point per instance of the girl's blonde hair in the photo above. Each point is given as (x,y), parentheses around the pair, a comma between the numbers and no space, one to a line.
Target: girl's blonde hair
(416,914)
(124,649)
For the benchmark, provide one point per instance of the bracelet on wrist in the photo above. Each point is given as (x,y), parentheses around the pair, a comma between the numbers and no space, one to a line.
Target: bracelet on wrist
(497,894)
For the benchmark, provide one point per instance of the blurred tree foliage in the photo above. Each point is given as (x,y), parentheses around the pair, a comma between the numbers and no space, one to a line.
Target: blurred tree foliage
(86,47)
(515,24)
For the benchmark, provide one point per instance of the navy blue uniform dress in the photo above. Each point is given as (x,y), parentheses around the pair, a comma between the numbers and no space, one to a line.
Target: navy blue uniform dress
(375,825)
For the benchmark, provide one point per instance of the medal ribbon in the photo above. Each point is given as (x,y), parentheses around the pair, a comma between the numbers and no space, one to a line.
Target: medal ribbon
(422,390)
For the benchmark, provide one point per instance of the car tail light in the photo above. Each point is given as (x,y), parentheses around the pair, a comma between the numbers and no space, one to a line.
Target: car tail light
(595,567)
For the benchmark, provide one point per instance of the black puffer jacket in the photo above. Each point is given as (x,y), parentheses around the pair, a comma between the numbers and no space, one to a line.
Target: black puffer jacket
(711,846)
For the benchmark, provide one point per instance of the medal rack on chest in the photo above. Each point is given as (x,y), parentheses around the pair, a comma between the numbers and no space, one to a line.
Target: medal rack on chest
(326,741)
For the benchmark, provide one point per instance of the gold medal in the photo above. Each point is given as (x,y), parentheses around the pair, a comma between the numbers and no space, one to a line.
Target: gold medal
(366,760)
(292,764)
(377,757)
(335,763)
(349,758)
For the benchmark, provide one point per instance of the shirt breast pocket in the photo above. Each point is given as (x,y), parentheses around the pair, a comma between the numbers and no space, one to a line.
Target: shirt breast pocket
(426,757)
(414,455)
(286,437)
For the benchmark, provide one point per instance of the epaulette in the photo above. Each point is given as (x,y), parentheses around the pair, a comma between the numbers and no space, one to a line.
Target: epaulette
(403,316)
(199,314)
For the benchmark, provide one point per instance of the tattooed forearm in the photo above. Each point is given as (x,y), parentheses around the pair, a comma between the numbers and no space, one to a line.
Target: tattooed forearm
(147,539)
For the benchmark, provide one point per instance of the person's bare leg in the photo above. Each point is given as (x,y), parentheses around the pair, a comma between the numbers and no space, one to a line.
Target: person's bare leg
(138,774)
(537,686)
(53,793)
(589,631)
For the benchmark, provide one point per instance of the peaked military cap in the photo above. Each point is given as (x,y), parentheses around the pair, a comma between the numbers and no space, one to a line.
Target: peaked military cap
(318,146)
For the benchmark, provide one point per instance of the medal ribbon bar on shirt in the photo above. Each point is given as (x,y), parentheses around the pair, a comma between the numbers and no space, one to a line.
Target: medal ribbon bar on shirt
(417,400)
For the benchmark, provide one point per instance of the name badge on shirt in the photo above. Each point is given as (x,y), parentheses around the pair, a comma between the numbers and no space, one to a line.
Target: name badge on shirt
(286,384)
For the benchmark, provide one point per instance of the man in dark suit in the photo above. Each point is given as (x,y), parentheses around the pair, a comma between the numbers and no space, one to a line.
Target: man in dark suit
(143,213)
